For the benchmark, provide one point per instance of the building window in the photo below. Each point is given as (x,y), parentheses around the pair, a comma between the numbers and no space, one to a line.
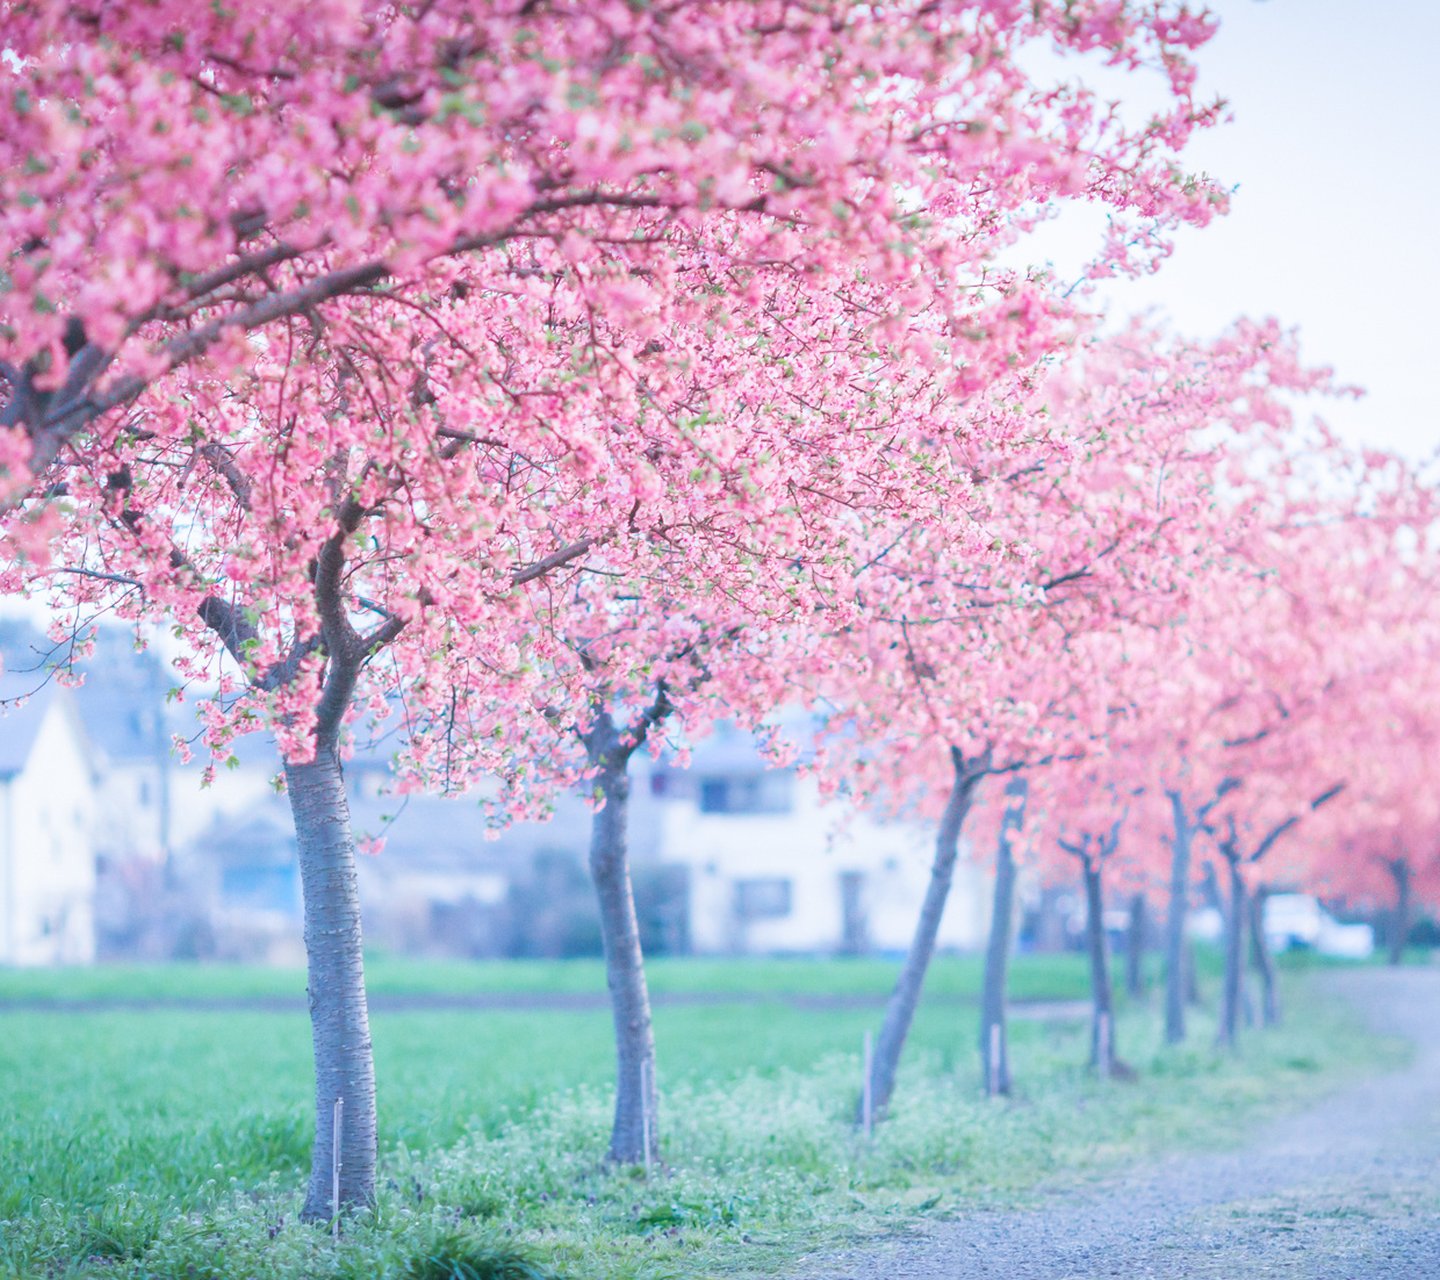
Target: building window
(854,919)
(767,899)
(768,792)
(672,784)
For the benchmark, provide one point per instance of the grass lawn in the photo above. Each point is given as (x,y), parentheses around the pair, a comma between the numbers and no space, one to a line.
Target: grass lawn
(1049,977)
(172,1142)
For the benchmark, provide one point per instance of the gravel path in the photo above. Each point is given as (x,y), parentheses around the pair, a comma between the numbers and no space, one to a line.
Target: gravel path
(1346,1190)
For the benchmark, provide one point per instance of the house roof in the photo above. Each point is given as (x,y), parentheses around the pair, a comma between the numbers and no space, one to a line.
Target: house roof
(20,721)
(122,700)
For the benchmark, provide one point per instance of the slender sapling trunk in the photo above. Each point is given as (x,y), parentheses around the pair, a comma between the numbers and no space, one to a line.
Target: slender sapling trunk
(994,1044)
(634,1137)
(900,1011)
(1102,1023)
(1262,961)
(1191,964)
(342,1174)
(1235,930)
(1176,983)
(1400,923)
(1135,935)
(339,1014)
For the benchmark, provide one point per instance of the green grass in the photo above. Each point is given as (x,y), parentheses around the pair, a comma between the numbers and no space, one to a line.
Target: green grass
(952,977)
(173,1142)
(1301,960)
(165,1100)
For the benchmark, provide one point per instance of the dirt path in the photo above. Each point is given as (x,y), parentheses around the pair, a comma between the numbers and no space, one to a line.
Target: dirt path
(1346,1190)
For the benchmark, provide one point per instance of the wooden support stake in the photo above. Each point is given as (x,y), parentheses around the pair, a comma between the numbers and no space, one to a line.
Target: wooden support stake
(338,1134)
(867,1087)
(645,1126)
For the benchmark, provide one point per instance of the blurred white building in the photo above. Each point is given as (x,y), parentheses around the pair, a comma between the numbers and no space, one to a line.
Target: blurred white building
(47,825)
(770,869)
(113,847)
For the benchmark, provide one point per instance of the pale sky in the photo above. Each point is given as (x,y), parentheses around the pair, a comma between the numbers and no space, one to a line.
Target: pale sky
(1334,151)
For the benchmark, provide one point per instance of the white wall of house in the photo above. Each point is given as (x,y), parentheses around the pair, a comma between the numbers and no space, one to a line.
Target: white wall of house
(131,795)
(47,863)
(801,878)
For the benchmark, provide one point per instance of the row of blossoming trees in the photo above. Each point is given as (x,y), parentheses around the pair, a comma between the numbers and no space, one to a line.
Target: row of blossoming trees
(558,382)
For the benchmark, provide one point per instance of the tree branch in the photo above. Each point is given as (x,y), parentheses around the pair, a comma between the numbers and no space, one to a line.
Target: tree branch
(555,560)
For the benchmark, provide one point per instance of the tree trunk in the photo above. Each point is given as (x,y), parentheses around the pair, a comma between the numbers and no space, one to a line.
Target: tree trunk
(1262,960)
(1234,956)
(1191,966)
(1400,924)
(1175,957)
(339,1016)
(634,1138)
(900,1011)
(1102,1024)
(994,1045)
(1135,947)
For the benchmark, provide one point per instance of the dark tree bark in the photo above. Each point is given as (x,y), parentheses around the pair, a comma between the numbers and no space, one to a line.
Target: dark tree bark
(994,1044)
(339,1014)
(1102,994)
(1135,938)
(900,1011)
(634,1137)
(1400,921)
(1182,836)
(1226,1032)
(1262,961)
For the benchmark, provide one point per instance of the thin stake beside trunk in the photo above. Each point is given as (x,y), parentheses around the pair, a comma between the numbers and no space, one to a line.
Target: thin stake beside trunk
(337,1146)
(867,1099)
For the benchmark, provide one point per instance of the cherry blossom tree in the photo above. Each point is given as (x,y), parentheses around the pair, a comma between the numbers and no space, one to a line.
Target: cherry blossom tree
(1083,806)
(1314,604)
(1238,852)
(1377,844)
(1038,659)
(634,666)
(174,181)
(335,334)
